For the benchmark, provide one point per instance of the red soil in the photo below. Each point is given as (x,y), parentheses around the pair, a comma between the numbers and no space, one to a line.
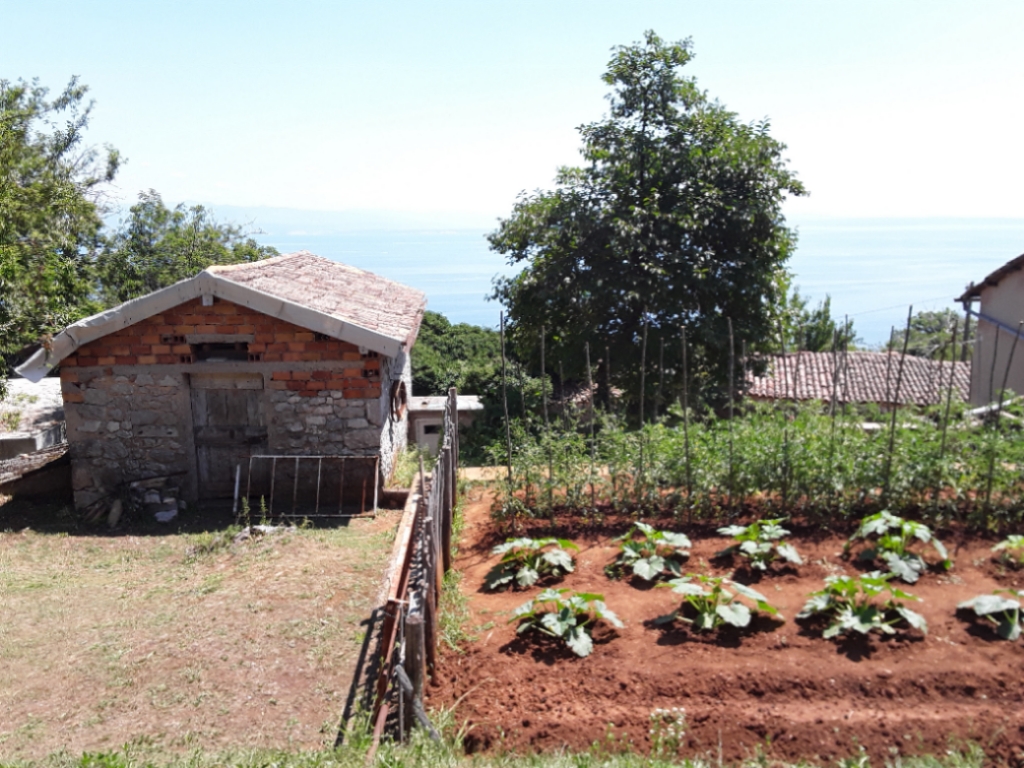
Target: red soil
(781,689)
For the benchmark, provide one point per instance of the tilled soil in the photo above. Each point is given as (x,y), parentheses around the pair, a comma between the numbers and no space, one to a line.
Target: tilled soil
(778,689)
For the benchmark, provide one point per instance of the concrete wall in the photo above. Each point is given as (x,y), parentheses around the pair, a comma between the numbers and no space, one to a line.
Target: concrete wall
(128,405)
(1003,302)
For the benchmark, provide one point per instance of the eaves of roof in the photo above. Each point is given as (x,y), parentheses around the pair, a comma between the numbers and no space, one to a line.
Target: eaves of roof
(208,283)
(974,291)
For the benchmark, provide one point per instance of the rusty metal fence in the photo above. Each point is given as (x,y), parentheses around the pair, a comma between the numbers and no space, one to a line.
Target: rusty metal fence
(421,557)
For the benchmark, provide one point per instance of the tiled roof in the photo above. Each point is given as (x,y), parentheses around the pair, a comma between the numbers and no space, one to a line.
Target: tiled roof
(862,378)
(332,288)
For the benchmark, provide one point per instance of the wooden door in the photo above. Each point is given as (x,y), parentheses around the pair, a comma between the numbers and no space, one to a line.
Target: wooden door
(228,427)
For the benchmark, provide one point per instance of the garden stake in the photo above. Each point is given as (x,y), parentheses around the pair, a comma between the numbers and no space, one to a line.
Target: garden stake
(895,408)
(504,400)
(992,372)
(643,365)
(543,380)
(888,362)
(686,431)
(593,414)
(608,376)
(661,378)
(832,409)
(547,424)
(732,363)
(949,395)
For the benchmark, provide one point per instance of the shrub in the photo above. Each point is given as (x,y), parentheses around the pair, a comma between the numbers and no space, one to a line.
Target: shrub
(525,561)
(568,619)
(650,553)
(850,605)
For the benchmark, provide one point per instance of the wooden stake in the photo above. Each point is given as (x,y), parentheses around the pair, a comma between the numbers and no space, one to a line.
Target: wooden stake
(732,362)
(686,428)
(895,408)
(643,365)
(504,401)
(593,414)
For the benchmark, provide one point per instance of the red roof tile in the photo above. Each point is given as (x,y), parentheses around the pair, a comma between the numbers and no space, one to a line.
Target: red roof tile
(332,288)
(863,378)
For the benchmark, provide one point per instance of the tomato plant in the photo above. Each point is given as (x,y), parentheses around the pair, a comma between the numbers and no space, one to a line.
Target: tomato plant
(1011,550)
(761,543)
(567,618)
(714,603)
(524,561)
(850,605)
(1004,612)
(892,537)
(649,553)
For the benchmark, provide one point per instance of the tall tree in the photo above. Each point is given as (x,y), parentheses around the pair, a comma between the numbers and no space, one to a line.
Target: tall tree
(674,219)
(930,335)
(157,246)
(51,204)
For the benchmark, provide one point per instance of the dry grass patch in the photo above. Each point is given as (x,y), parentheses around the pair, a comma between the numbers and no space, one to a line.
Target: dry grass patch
(183,641)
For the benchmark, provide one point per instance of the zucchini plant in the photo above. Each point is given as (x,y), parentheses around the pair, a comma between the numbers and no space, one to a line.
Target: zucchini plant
(1004,612)
(714,603)
(524,561)
(851,605)
(650,553)
(567,618)
(892,537)
(761,543)
(1011,550)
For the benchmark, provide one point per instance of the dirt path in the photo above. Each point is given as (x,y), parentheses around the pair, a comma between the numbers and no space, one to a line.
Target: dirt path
(784,691)
(109,640)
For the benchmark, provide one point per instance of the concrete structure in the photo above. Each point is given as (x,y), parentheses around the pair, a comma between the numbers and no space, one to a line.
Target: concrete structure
(31,417)
(426,418)
(294,355)
(862,377)
(999,316)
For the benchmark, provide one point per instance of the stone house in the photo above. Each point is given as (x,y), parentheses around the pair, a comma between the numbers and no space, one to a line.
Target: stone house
(1000,297)
(216,385)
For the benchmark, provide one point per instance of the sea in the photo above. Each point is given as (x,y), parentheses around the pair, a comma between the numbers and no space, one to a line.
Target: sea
(873,270)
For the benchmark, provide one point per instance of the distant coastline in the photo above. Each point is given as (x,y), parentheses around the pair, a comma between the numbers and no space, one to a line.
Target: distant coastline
(873,268)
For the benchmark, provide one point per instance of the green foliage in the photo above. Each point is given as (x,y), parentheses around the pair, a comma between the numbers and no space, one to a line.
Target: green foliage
(1003,612)
(1011,550)
(761,543)
(714,604)
(464,356)
(893,536)
(649,553)
(931,334)
(811,330)
(852,605)
(675,218)
(786,460)
(667,732)
(51,186)
(569,619)
(525,561)
(158,246)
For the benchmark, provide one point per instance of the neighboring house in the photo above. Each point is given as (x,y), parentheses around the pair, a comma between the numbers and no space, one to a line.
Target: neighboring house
(1001,298)
(426,418)
(858,377)
(294,356)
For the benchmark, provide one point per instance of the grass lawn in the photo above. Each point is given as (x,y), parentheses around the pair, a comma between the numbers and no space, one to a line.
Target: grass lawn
(179,642)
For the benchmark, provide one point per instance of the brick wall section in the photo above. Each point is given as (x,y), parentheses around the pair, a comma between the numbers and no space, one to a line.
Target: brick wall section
(161,340)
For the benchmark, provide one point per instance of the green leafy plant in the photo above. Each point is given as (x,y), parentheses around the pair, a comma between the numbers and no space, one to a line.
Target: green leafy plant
(761,543)
(567,618)
(892,537)
(852,605)
(667,732)
(525,561)
(649,553)
(1003,612)
(714,604)
(1011,550)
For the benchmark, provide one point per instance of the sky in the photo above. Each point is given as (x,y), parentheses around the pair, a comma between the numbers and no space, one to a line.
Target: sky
(445,111)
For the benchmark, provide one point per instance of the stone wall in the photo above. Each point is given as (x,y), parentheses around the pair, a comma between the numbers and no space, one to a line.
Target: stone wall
(128,402)
(124,427)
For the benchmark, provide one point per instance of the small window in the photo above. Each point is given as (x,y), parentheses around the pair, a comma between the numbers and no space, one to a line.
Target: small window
(220,352)
(431,429)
